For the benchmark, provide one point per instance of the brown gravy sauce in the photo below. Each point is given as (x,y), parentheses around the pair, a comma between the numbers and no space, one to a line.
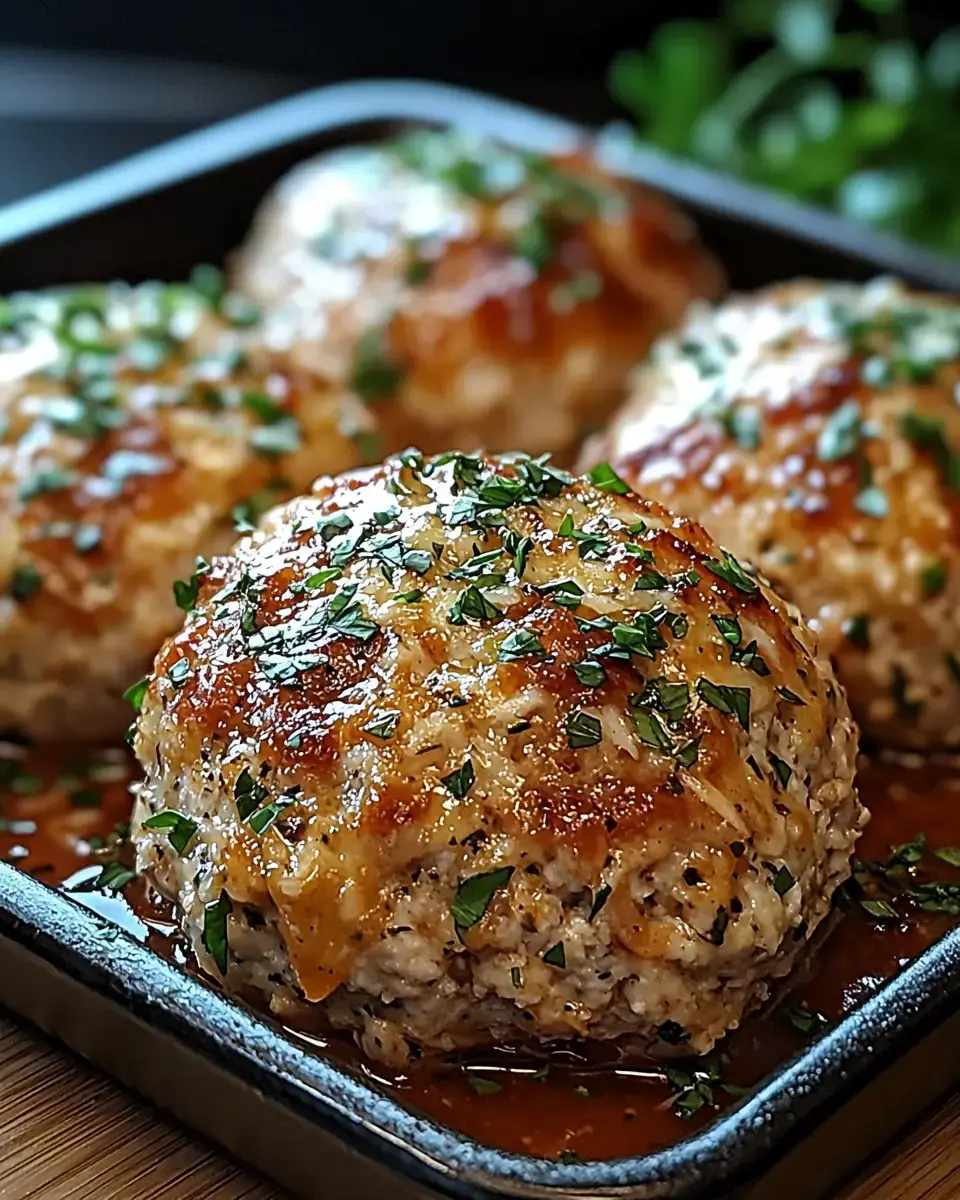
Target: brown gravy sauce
(594,1103)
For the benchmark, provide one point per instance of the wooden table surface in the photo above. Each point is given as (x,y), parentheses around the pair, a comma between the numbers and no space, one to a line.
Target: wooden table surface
(66,1131)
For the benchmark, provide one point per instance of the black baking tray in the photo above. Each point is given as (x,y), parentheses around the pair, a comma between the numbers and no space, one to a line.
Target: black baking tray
(316,1126)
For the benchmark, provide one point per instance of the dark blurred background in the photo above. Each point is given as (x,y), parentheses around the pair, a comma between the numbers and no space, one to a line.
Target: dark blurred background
(73,94)
(849,103)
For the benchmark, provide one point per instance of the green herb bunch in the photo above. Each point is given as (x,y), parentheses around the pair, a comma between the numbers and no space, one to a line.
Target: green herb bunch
(848,105)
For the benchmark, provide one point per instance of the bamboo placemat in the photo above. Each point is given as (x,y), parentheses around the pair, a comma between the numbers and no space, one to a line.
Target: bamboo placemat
(67,1132)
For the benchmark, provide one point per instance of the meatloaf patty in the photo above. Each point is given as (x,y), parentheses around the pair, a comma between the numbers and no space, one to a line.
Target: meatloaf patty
(464,750)
(137,424)
(495,298)
(815,430)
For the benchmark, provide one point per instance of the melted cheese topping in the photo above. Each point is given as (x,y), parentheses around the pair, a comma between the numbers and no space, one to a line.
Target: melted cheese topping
(127,410)
(815,429)
(454,274)
(484,659)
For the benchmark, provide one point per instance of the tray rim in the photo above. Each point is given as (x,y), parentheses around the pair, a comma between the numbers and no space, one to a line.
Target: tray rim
(741,1141)
(308,113)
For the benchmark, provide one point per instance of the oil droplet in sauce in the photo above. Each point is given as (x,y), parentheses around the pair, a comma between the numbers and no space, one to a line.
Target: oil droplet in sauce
(566,1100)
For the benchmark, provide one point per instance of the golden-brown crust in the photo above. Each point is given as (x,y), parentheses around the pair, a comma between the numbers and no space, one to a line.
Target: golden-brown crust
(266,677)
(815,431)
(135,419)
(486,299)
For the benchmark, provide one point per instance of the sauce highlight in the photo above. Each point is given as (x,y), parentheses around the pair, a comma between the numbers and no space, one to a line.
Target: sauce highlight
(56,820)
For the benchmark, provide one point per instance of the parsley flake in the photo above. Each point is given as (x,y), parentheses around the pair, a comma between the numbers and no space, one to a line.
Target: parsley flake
(728,569)
(604,477)
(185,592)
(215,930)
(520,644)
(181,828)
(556,956)
(460,781)
(734,701)
(474,895)
(583,730)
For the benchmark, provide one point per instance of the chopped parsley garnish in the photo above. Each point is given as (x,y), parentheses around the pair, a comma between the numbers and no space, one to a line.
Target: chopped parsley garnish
(280,437)
(857,631)
(410,597)
(606,479)
(872,502)
(651,581)
(791,697)
(515,977)
(519,547)
(583,730)
(949,855)
(781,769)
(472,603)
(556,956)
(261,820)
(933,578)
(460,781)
(718,929)
(590,673)
(743,425)
(565,592)
(520,644)
(841,433)
(474,895)
(185,592)
(927,433)
(319,578)
(25,582)
(112,877)
(883,910)
(134,695)
(750,658)
(650,731)
(484,1087)
(384,725)
(729,629)
(179,672)
(783,880)
(729,570)
(332,526)
(534,242)
(477,570)
(215,930)
(687,755)
(672,699)
(589,545)
(694,1084)
(806,1021)
(249,794)
(734,701)
(375,374)
(181,828)
(600,897)
(44,482)
(263,407)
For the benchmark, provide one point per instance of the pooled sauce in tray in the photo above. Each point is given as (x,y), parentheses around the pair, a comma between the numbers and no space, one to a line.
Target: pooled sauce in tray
(56,821)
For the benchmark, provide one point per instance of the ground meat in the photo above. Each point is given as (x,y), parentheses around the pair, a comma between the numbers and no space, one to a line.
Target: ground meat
(495,298)
(492,753)
(814,429)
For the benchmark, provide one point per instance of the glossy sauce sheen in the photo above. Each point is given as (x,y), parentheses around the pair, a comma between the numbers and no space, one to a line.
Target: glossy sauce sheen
(594,1105)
